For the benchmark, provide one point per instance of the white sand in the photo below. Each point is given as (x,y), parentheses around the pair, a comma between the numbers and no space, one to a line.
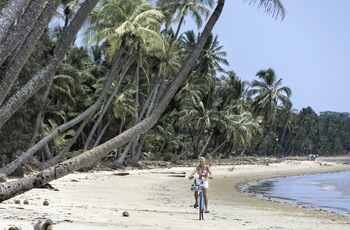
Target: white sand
(155,199)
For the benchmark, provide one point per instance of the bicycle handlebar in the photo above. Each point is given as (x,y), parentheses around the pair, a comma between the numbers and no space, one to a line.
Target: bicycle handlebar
(207,178)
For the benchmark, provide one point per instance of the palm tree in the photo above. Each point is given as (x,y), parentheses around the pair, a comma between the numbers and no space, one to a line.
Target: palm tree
(284,124)
(182,8)
(306,128)
(165,65)
(330,128)
(268,93)
(140,24)
(240,130)
(235,92)
(115,20)
(212,58)
(199,110)
(207,66)
(198,95)
(12,188)
(237,125)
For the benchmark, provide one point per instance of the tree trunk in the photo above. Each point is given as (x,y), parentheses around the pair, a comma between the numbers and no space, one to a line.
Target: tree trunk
(152,100)
(120,161)
(40,117)
(136,155)
(174,159)
(228,151)
(26,49)
(21,29)
(282,138)
(218,148)
(291,145)
(178,28)
(99,137)
(44,76)
(8,14)
(196,145)
(204,151)
(8,169)
(107,104)
(47,151)
(243,151)
(59,156)
(13,188)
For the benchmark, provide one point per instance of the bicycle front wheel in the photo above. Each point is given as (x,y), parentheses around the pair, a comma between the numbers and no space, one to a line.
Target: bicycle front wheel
(201,206)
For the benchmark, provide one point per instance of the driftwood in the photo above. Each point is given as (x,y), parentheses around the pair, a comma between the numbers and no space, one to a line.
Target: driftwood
(173,174)
(121,174)
(182,175)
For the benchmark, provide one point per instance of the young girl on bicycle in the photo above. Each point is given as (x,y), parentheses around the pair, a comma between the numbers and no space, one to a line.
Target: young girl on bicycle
(204,173)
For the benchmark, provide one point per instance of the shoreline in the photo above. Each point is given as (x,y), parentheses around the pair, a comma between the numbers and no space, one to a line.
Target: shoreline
(305,190)
(160,198)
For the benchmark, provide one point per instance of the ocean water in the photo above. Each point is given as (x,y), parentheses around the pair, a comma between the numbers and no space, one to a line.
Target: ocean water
(328,191)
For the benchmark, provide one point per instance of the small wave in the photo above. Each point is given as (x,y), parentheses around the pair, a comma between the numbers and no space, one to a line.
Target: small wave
(316,183)
(329,188)
(323,186)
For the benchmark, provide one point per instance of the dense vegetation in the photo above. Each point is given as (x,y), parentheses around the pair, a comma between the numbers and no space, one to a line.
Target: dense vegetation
(133,51)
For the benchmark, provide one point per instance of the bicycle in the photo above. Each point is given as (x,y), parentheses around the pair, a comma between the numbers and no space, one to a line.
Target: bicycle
(201,203)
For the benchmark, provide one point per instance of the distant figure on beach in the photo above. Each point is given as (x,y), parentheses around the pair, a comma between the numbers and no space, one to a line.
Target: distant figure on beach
(204,173)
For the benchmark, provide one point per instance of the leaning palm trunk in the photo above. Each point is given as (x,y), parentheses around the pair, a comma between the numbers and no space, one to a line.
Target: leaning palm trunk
(214,153)
(44,76)
(119,162)
(243,151)
(10,189)
(152,101)
(8,14)
(196,139)
(123,67)
(136,155)
(9,168)
(21,29)
(137,143)
(39,125)
(99,137)
(178,28)
(204,151)
(107,104)
(58,157)
(25,50)
(40,117)
(228,151)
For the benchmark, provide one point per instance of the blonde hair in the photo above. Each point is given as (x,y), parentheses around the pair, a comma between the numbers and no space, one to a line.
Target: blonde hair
(201,159)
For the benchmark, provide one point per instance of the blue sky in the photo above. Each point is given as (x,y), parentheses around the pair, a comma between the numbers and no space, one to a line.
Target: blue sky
(309,49)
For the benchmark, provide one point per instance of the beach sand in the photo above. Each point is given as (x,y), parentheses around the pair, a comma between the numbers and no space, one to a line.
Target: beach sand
(160,198)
